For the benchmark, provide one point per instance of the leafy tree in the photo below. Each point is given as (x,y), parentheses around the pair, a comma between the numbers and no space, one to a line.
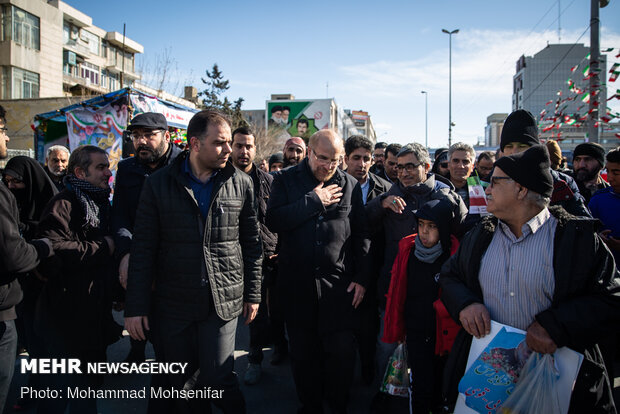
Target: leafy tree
(215,86)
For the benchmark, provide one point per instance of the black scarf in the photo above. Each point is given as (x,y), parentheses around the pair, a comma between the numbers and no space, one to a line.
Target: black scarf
(95,201)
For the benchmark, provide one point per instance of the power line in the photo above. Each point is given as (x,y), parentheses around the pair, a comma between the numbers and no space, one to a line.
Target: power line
(497,75)
(556,65)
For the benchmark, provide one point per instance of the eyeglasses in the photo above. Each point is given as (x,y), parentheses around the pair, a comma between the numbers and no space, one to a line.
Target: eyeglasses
(321,159)
(409,167)
(148,135)
(495,179)
(443,165)
(4,130)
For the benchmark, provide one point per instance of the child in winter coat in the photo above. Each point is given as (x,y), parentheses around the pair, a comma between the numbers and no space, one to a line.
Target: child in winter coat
(413,310)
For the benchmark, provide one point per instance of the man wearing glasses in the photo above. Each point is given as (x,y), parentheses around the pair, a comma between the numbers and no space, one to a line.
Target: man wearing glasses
(153,150)
(539,269)
(318,213)
(394,211)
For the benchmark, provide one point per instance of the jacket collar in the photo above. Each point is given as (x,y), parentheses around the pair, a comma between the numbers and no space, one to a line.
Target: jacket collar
(177,171)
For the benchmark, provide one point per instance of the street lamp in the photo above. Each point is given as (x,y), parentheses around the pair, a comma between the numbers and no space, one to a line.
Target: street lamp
(450,87)
(425,118)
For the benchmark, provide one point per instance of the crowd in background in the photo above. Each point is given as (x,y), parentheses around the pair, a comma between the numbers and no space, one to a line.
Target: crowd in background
(324,247)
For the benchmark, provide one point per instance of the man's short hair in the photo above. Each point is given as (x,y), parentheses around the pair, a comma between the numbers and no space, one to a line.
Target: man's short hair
(2,114)
(243,130)
(357,141)
(381,145)
(393,149)
(487,155)
(303,121)
(419,150)
(613,156)
(55,148)
(200,122)
(80,157)
(461,146)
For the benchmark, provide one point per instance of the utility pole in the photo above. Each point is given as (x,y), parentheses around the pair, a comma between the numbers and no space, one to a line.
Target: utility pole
(595,51)
(425,118)
(123,60)
(450,33)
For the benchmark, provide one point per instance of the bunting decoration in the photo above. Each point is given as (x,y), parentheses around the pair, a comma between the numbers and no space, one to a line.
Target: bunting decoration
(578,89)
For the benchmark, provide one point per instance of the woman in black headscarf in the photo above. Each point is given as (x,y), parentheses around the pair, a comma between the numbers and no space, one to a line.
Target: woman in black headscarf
(32,188)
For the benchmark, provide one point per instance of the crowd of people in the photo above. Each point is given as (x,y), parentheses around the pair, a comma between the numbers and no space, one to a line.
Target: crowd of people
(326,247)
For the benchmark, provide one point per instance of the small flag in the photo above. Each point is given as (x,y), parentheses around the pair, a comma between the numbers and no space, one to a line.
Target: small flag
(614,67)
(574,68)
(586,70)
(586,98)
(614,76)
(609,49)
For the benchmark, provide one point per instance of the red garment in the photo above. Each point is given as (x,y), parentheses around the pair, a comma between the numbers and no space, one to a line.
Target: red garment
(394,322)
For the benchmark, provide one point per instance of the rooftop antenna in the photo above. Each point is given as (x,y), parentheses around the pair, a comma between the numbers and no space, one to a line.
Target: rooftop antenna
(559,22)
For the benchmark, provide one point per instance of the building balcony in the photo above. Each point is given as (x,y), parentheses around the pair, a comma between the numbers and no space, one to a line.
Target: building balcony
(77,48)
(117,67)
(72,81)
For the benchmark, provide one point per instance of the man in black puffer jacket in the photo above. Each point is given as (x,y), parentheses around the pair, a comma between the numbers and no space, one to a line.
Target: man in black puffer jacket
(196,244)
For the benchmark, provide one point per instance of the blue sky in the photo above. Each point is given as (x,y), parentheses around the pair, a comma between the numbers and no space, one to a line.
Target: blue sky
(376,56)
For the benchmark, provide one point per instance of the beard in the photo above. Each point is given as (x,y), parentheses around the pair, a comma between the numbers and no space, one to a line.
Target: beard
(153,155)
(583,175)
(57,173)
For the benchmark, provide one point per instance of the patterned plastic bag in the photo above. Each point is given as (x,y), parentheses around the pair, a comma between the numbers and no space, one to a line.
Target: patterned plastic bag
(396,379)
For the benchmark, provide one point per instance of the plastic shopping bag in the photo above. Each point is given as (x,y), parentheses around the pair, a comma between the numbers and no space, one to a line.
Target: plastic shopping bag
(396,379)
(536,390)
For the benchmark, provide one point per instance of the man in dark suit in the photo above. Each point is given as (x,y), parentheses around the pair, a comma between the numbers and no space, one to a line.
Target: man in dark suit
(318,213)
(358,156)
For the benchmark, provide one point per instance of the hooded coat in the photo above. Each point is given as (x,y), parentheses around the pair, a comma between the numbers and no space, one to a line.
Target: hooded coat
(397,226)
(31,200)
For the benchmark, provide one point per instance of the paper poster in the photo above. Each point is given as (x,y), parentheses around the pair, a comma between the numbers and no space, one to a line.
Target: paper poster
(493,368)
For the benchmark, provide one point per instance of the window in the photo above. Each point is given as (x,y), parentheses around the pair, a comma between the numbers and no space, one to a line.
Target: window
(91,40)
(25,28)
(109,80)
(90,72)
(25,84)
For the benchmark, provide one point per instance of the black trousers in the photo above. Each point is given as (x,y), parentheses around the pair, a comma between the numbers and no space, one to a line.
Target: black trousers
(207,345)
(323,367)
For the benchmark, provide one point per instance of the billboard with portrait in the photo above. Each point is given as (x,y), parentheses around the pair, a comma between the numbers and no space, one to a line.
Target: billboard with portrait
(298,118)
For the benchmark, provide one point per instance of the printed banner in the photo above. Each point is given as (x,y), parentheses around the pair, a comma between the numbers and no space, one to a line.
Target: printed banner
(102,127)
(177,118)
(287,119)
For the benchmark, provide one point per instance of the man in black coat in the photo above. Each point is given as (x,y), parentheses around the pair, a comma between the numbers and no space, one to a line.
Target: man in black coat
(243,155)
(318,213)
(151,141)
(358,157)
(74,312)
(195,262)
(538,269)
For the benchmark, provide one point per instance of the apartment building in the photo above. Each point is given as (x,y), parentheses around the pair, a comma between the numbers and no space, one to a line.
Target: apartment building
(50,49)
